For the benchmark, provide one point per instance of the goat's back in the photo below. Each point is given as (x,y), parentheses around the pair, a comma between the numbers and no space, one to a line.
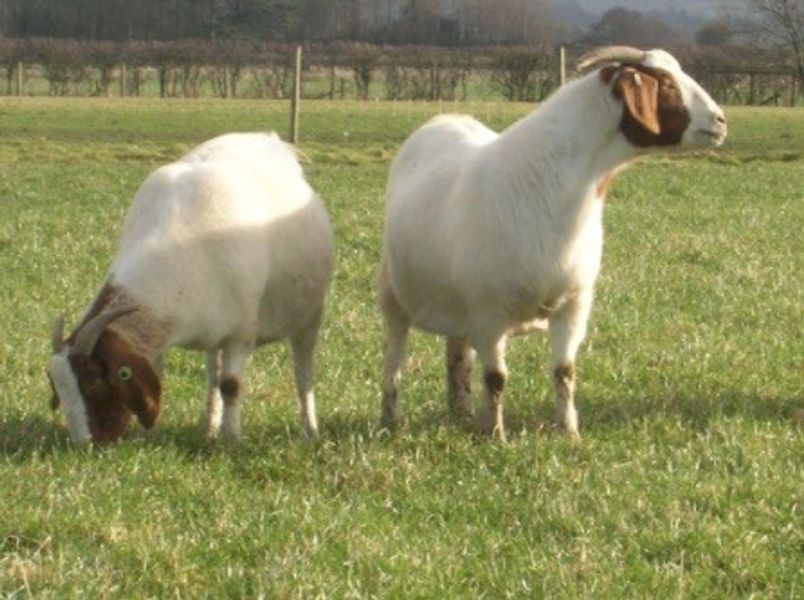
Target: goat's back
(230,236)
(433,155)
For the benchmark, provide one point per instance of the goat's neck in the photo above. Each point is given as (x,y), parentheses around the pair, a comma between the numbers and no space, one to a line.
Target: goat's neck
(558,154)
(147,334)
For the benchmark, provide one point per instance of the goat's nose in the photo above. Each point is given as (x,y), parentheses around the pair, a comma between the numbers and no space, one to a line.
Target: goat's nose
(720,119)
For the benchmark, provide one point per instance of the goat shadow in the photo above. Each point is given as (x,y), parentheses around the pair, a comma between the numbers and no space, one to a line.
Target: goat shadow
(25,437)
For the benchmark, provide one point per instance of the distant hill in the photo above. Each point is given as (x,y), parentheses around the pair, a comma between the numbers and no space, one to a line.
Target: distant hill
(572,12)
(685,15)
(698,8)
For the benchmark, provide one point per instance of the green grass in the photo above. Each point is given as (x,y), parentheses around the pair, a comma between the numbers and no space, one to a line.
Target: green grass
(689,480)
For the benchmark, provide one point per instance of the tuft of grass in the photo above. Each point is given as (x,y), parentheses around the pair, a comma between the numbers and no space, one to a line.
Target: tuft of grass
(688,481)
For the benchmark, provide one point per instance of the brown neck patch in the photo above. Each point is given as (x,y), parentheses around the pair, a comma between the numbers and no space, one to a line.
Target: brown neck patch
(672,115)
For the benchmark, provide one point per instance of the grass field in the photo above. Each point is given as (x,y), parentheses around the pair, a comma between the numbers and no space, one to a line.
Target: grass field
(689,480)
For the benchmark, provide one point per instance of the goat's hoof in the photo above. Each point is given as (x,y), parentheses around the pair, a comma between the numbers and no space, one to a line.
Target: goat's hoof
(489,427)
(391,421)
(483,423)
(498,434)
(211,428)
(230,436)
(460,412)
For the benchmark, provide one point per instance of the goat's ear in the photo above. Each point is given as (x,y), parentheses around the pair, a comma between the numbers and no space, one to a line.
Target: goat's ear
(143,400)
(139,388)
(640,92)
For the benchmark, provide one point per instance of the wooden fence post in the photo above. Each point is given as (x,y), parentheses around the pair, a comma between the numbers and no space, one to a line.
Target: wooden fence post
(296,98)
(123,76)
(562,65)
(20,78)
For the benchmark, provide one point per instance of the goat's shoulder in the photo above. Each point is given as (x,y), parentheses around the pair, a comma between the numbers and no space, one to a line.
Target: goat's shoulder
(458,128)
(243,147)
(441,145)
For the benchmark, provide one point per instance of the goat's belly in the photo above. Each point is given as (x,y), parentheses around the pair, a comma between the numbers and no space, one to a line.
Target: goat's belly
(431,306)
(439,322)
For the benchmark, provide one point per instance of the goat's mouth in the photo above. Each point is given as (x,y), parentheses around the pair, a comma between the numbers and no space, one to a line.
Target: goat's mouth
(712,136)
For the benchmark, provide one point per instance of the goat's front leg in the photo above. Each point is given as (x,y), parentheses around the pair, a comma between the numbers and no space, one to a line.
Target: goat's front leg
(303,345)
(567,331)
(214,414)
(235,357)
(491,352)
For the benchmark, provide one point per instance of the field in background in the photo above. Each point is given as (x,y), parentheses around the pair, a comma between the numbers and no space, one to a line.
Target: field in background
(688,481)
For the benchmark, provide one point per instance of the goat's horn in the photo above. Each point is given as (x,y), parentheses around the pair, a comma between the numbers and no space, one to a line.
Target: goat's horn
(88,335)
(609,54)
(57,334)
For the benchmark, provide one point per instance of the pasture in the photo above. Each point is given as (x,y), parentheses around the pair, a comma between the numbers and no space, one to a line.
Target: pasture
(689,479)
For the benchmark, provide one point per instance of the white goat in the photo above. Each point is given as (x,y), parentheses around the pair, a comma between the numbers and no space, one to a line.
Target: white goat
(490,235)
(226,249)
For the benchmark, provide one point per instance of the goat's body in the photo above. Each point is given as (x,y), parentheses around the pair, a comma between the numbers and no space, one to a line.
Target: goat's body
(225,249)
(224,245)
(458,204)
(491,235)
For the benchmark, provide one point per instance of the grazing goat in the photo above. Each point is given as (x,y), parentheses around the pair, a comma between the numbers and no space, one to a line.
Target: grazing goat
(224,250)
(489,235)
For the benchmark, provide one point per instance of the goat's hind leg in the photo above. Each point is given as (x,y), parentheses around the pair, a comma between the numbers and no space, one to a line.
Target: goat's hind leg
(460,357)
(214,412)
(303,345)
(397,327)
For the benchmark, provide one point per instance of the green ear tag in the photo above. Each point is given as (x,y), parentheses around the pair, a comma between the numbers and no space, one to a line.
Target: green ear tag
(124,373)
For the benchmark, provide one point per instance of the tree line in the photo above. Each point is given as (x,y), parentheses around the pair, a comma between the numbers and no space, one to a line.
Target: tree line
(192,68)
(186,40)
(437,22)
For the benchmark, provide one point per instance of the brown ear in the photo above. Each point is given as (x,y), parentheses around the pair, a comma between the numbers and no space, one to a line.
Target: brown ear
(143,400)
(640,92)
(142,393)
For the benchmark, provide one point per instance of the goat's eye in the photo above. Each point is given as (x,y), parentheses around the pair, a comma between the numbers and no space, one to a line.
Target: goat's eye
(124,373)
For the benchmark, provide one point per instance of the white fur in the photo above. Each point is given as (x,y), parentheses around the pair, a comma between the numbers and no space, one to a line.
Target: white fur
(227,242)
(64,380)
(487,235)
(223,250)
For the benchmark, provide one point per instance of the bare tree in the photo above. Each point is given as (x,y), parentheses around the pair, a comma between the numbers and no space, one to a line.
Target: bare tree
(782,21)
(632,27)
